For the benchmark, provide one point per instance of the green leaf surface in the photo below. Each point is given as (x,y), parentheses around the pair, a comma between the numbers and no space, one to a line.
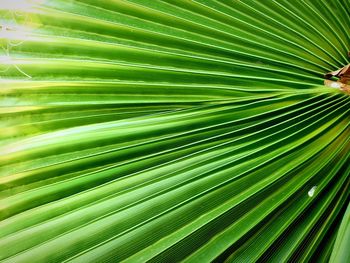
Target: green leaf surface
(168,131)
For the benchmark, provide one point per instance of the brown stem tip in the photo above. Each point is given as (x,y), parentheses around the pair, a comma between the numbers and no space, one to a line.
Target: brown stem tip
(342,77)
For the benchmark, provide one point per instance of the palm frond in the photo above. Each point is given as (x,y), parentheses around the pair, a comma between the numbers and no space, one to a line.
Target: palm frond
(169,131)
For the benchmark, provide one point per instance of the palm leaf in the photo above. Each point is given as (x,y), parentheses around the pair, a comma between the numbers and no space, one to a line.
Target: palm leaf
(170,131)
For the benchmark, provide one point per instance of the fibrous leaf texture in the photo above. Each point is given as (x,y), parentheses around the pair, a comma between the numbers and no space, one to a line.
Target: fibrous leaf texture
(168,131)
